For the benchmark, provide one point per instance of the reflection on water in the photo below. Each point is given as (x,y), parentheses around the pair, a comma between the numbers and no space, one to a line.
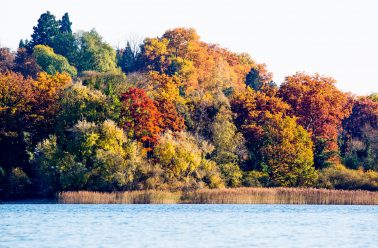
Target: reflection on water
(54,225)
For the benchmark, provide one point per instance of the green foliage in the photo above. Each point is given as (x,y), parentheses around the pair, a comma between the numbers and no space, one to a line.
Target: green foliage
(66,45)
(229,143)
(65,24)
(256,179)
(127,59)
(46,29)
(97,157)
(52,62)
(79,102)
(95,54)
(232,174)
(110,83)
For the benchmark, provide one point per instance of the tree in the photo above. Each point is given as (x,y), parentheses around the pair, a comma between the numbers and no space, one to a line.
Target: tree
(66,45)
(6,60)
(25,64)
(46,29)
(251,109)
(359,143)
(319,106)
(52,62)
(127,59)
(140,116)
(287,151)
(183,161)
(96,157)
(95,54)
(79,103)
(65,24)
(170,119)
(229,143)
(154,54)
(27,113)
(258,78)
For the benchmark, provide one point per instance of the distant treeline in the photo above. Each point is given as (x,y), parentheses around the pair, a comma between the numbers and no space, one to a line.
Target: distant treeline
(171,113)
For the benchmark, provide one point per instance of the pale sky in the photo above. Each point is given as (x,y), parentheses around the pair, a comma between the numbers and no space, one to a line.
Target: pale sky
(337,38)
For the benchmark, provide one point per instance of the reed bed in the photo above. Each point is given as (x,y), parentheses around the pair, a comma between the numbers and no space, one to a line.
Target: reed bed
(226,196)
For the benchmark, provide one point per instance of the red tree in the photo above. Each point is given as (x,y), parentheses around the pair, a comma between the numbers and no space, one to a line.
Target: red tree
(140,116)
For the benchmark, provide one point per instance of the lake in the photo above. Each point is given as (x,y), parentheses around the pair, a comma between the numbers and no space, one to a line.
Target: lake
(56,225)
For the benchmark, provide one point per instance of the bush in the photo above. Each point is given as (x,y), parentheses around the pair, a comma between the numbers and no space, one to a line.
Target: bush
(255,179)
(339,177)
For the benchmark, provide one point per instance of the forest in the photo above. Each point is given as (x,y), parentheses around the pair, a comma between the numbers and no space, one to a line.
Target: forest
(171,113)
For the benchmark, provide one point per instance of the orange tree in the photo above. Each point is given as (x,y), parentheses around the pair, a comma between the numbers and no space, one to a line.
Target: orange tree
(320,108)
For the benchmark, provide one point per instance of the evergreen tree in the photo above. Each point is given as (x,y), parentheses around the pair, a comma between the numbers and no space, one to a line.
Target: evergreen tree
(46,29)
(65,24)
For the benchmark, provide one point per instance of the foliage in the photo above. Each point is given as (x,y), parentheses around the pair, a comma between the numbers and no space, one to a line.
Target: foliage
(99,157)
(319,106)
(188,115)
(359,143)
(52,62)
(140,116)
(94,53)
(287,152)
(46,29)
(26,64)
(339,177)
(184,161)
(6,60)
(79,102)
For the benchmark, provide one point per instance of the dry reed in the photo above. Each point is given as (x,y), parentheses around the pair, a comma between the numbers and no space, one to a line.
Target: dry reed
(226,196)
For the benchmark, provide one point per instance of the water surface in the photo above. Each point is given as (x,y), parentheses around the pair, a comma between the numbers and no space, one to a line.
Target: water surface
(55,225)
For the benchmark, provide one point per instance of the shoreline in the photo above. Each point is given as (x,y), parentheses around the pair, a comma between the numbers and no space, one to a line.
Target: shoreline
(310,196)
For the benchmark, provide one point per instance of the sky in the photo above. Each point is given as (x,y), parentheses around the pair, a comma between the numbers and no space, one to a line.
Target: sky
(337,38)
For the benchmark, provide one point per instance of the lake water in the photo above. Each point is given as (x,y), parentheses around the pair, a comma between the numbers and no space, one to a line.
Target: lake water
(54,225)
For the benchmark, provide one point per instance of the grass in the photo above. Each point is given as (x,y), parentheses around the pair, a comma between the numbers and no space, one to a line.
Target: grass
(226,196)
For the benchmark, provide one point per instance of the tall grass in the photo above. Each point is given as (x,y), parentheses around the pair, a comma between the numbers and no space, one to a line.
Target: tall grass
(227,196)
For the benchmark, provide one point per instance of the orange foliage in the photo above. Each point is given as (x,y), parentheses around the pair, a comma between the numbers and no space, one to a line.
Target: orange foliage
(318,104)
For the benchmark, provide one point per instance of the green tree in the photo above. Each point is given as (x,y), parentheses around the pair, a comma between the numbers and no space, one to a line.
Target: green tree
(52,62)
(46,29)
(65,24)
(95,54)
(79,102)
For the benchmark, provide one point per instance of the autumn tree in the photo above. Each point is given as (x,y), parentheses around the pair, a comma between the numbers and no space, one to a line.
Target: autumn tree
(140,116)
(27,113)
(359,143)
(320,108)
(287,152)
(6,60)
(184,163)
(26,64)
(251,109)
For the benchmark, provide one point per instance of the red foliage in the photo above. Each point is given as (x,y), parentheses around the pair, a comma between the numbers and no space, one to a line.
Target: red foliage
(140,116)
(318,104)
